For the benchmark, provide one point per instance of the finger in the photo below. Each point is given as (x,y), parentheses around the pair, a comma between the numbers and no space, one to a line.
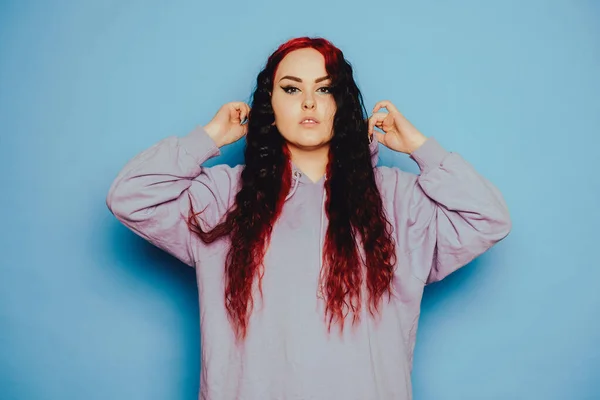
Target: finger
(385,104)
(236,108)
(234,112)
(376,119)
(370,124)
(243,113)
(248,109)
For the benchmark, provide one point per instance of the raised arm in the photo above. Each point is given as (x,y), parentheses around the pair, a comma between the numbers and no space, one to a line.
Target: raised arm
(151,195)
(446,216)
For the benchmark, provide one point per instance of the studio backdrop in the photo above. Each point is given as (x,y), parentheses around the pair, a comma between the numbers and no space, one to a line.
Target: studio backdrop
(88,310)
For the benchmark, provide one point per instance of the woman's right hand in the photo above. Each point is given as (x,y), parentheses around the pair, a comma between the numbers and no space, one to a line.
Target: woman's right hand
(226,126)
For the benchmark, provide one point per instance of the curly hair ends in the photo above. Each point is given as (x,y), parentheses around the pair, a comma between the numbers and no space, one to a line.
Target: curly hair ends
(354,205)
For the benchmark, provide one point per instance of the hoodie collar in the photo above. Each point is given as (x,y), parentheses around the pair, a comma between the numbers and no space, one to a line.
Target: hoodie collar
(302,177)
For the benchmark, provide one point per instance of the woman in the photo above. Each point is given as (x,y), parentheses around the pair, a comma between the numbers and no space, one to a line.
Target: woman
(309,234)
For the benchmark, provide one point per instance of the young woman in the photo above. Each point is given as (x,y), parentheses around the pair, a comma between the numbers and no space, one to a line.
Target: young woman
(310,260)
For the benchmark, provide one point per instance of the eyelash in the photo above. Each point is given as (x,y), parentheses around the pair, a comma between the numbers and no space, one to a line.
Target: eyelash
(288,90)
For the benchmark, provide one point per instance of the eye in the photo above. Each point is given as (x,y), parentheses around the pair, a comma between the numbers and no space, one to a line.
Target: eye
(289,89)
(325,89)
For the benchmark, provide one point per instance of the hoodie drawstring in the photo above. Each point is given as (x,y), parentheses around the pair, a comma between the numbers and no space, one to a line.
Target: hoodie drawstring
(321,272)
(296,180)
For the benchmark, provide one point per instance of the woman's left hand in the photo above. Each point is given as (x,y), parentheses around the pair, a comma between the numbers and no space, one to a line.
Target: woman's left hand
(400,135)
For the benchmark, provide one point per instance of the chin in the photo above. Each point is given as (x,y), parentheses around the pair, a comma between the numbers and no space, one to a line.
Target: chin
(309,138)
(314,142)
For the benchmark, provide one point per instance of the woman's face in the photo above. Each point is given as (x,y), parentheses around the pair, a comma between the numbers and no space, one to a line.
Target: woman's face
(303,106)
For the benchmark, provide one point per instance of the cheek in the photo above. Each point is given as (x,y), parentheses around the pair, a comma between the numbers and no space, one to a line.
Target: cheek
(284,111)
(329,108)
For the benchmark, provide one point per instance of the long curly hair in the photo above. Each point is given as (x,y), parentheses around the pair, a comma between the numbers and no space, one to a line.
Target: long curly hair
(353,206)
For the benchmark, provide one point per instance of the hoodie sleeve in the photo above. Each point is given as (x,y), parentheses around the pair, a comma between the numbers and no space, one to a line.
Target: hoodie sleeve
(446,216)
(151,195)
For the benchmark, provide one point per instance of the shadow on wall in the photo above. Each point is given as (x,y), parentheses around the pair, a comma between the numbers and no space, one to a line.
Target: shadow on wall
(157,276)
(464,279)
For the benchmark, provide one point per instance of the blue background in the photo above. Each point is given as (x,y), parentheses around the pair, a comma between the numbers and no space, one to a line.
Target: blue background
(90,311)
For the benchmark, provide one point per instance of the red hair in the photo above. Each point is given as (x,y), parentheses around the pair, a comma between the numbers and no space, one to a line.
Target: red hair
(333,56)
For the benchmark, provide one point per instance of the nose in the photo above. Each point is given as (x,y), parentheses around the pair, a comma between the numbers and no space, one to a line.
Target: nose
(308,103)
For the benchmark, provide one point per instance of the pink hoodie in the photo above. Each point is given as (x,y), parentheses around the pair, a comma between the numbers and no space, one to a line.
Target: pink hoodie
(442,219)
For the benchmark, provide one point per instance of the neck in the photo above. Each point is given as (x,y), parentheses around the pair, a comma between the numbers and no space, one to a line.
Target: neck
(312,163)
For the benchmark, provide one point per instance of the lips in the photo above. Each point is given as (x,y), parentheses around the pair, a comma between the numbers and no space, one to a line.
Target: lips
(309,121)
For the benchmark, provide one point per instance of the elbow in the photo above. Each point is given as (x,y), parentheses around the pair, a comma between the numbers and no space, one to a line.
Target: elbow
(129,206)
(505,221)
(115,204)
(502,225)
(110,200)
(119,203)
(507,225)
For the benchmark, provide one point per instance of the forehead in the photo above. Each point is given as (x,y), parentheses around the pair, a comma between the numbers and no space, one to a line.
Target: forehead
(307,64)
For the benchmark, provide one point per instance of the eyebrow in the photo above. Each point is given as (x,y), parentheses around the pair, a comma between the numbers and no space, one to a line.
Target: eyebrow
(294,78)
